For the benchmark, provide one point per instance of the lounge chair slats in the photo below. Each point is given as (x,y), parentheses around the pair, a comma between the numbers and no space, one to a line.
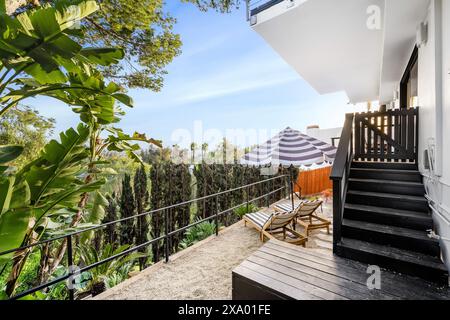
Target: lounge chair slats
(285,207)
(309,207)
(281,220)
(269,224)
(305,214)
(259,218)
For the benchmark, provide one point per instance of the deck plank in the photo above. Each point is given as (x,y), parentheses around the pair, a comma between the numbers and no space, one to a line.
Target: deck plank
(305,273)
(393,281)
(401,286)
(285,289)
(278,275)
(347,288)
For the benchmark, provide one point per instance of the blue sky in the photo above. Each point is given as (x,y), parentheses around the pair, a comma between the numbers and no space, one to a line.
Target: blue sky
(227,77)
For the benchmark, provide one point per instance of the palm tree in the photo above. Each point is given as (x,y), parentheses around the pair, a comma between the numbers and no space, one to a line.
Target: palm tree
(193,148)
(204,148)
(165,154)
(224,150)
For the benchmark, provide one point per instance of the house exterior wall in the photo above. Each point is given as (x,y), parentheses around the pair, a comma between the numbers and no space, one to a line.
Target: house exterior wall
(434,126)
(325,135)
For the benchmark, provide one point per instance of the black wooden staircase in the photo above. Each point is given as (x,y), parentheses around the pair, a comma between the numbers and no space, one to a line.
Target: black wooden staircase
(381,215)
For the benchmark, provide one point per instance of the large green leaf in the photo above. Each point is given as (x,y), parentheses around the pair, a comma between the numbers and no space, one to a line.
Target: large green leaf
(43,22)
(6,192)
(96,214)
(93,99)
(9,153)
(46,185)
(13,228)
(40,41)
(58,165)
(70,12)
(103,56)
(67,199)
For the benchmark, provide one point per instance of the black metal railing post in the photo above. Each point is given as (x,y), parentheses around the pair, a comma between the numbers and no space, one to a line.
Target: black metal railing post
(339,175)
(248,199)
(70,268)
(337,215)
(166,237)
(291,190)
(216,219)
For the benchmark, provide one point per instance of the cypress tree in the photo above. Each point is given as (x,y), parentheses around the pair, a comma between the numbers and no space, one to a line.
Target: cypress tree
(127,209)
(157,201)
(111,234)
(141,198)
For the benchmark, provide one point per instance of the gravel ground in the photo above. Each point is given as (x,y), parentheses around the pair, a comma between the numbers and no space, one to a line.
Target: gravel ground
(203,271)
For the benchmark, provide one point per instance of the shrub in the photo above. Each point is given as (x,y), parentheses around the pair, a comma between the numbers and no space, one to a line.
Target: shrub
(242,210)
(117,268)
(198,233)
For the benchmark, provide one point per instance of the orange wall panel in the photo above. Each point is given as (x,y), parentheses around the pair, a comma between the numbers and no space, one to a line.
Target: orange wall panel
(314,181)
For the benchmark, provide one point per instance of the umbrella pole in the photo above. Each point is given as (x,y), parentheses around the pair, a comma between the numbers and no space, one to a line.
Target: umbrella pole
(291,188)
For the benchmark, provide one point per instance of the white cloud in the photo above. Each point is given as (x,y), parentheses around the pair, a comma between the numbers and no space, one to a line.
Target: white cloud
(251,72)
(225,89)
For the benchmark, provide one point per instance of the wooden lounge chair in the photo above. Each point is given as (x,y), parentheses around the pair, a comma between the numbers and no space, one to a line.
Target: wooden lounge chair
(306,216)
(309,220)
(270,224)
(287,207)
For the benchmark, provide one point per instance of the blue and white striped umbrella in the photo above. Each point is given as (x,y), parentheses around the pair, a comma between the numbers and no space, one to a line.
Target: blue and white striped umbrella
(291,148)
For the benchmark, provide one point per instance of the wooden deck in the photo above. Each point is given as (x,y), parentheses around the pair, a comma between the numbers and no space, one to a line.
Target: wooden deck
(282,271)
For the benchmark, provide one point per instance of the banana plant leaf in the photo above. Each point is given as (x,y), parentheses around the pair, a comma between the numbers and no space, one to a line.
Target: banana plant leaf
(13,228)
(46,185)
(39,42)
(91,97)
(95,216)
(9,153)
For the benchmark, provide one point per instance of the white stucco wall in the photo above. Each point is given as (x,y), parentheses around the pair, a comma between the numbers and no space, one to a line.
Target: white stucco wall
(325,135)
(434,91)
(426,86)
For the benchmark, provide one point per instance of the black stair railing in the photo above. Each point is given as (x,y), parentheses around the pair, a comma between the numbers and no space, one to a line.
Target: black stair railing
(389,136)
(339,176)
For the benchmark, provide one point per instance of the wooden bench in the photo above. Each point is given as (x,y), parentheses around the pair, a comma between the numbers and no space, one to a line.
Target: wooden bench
(282,271)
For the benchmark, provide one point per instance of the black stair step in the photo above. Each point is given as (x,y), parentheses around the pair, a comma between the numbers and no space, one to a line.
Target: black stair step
(403,261)
(384,165)
(387,186)
(403,238)
(386,174)
(389,216)
(388,200)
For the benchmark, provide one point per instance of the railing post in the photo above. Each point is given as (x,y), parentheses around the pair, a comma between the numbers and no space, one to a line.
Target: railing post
(247,9)
(416,146)
(248,198)
(166,238)
(217,216)
(70,267)
(291,190)
(267,195)
(337,213)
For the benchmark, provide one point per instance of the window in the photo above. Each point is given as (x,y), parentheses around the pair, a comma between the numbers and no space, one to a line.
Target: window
(409,83)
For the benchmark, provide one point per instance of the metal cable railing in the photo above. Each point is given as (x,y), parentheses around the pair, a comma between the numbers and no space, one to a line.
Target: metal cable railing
(166,237)
(256,6)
